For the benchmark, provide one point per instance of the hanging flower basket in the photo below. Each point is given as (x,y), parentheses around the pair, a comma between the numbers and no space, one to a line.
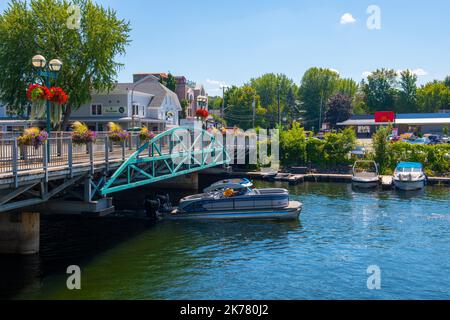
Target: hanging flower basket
(145,134)
(116,133)
(33,137)
(38,94)
(202,114)
(82,135)
(58,96)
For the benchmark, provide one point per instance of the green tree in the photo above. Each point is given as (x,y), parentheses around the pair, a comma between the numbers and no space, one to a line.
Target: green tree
(239,107)
(447,81)
(381,90)
(407,97)
(184,105)
(359,100)
(171,82)
(433,96)
(215,102)
(347,87)
(269,87)
(88,53)
(381,147)
(339,109)
(317,86)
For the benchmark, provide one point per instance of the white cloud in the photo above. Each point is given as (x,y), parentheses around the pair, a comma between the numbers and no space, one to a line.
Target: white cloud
(365,74)
(418,72)
(347,18)
(215,86)
(337,71)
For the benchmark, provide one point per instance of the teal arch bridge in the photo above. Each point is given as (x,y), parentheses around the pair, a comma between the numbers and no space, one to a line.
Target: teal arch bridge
(176,152)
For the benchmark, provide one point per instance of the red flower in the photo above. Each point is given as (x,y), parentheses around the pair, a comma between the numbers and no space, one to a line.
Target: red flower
(58,96)
(38,92)
(202,113)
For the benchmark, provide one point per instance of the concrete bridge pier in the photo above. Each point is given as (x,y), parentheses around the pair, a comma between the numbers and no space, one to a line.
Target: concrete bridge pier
(19,233)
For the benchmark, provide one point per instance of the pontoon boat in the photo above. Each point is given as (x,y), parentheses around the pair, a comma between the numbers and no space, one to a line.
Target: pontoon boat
(236,200)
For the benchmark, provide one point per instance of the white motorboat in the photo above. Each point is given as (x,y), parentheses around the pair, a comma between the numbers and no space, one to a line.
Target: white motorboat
(268,173)
(365,174)
(236,200)
(409,176)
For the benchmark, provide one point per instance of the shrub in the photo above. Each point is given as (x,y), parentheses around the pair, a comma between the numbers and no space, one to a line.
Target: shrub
(293,145)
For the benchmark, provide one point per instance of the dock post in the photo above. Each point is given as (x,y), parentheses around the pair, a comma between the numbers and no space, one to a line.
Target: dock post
(19,233)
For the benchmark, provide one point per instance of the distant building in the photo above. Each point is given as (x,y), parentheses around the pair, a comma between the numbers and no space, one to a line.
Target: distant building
(366,126)
(185,90)
(152,105)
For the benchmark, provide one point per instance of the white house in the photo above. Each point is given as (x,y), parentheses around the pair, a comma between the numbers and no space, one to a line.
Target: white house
(150,104)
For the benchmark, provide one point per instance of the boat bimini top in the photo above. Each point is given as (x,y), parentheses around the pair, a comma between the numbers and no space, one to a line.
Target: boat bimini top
(235,184)
(409,167)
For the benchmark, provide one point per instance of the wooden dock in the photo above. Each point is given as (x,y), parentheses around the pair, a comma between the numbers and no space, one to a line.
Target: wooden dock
(387,182)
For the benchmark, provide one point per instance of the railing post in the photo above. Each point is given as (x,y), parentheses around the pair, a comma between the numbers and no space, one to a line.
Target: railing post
(14,161)
(107,153)
(123,150)
(70,157)
(45,155)
(91,156)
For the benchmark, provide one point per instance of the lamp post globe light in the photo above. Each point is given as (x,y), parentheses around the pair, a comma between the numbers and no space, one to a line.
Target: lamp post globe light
(48,71)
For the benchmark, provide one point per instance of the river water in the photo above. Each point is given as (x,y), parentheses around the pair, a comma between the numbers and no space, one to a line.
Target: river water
(324,256)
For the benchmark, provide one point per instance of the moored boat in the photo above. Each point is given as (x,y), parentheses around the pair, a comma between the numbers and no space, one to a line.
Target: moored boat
(365,174)
(236,200)
(409,176)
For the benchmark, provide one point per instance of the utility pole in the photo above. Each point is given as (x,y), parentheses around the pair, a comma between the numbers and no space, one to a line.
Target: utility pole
(223,102)
(279,103)
(320,115)
(254,110)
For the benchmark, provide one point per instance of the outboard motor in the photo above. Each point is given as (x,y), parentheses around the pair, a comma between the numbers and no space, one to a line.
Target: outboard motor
(152,208)
(165,204)
(158,205)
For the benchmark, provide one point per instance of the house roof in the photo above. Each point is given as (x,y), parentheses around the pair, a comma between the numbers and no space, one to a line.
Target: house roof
(154,87)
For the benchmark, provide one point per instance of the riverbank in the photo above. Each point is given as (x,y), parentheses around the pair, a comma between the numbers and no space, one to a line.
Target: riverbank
(297,178)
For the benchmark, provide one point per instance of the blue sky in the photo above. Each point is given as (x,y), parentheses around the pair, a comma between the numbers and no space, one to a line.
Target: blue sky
(213,42)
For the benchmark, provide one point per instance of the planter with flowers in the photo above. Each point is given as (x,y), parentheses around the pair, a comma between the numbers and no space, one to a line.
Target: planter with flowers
(32,137)
(145,134)
(117,134)
(81,134)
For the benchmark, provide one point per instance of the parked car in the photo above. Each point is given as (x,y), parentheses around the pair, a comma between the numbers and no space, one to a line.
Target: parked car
(445,139)
(434,138)
(420,141)
(359,151)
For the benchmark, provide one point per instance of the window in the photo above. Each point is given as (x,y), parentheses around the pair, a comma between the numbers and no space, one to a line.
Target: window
(135,109)
(96,110)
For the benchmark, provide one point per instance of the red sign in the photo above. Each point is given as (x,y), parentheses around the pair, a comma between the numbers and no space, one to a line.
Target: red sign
(384,116)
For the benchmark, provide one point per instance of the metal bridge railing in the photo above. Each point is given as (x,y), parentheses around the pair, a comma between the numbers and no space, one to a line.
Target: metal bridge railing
(16,159)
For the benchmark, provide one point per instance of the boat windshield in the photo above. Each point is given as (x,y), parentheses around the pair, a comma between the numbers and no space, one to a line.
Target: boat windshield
(365,167)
